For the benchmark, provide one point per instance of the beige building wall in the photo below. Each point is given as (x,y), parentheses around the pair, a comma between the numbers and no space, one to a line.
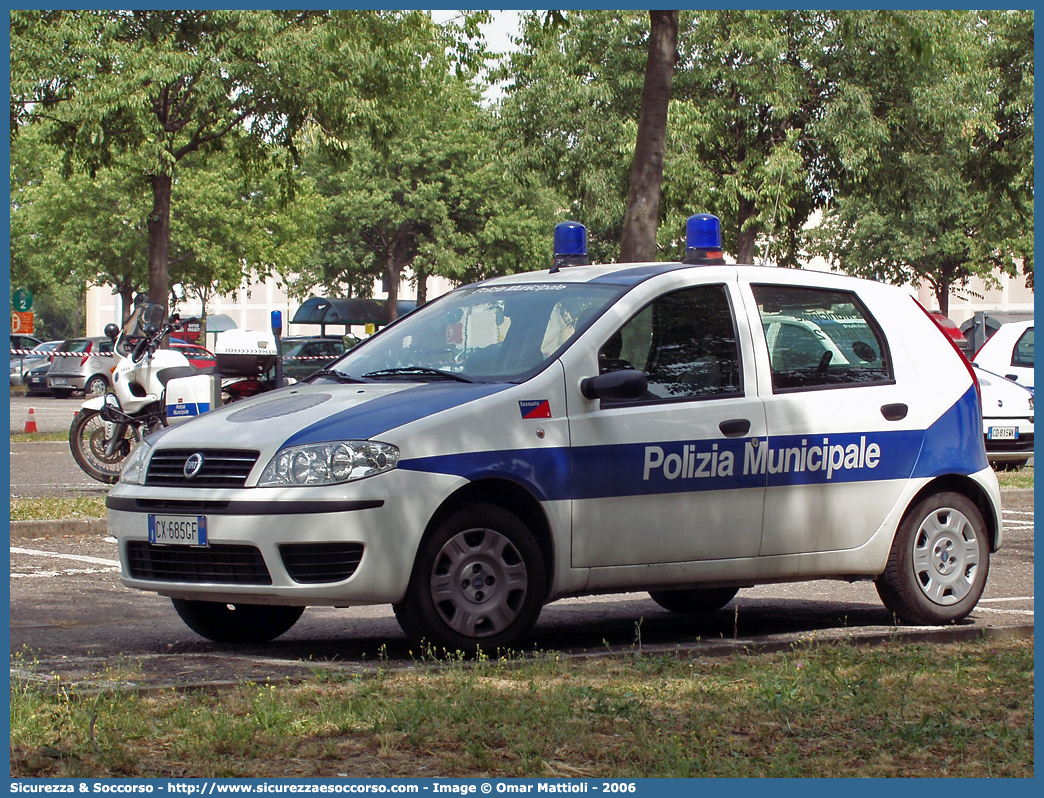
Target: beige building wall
(250,309)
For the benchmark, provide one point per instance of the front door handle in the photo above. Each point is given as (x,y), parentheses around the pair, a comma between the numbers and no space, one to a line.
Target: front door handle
(736,428)
(896,412)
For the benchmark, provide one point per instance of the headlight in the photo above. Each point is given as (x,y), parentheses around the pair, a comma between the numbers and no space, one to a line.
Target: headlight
(134,469)
(328,463)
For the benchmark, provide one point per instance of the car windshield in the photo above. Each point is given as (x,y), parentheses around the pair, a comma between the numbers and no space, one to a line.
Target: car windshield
(485,333)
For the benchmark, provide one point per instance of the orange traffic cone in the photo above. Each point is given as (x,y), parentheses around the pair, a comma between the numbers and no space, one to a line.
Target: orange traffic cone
(30,422)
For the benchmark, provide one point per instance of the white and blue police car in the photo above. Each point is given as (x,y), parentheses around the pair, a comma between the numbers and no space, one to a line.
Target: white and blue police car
(686,429)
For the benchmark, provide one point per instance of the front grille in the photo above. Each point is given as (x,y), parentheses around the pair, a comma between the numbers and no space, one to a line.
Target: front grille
(221,564)
(222,468)
(321,562)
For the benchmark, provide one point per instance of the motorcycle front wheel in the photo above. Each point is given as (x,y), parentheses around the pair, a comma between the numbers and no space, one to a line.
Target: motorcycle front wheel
(88,442)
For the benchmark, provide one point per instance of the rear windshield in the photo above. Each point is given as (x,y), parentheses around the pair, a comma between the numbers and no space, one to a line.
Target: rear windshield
(498,333)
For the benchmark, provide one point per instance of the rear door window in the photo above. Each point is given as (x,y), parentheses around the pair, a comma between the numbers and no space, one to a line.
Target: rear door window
(821,338)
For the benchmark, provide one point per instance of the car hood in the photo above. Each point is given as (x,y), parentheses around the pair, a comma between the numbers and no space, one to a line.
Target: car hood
(321,411)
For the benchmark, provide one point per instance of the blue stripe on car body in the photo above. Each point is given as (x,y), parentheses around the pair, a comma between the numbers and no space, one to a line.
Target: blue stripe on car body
(951,445)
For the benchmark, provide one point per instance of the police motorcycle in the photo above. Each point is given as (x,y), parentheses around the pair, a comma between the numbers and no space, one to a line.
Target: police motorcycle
(153,388)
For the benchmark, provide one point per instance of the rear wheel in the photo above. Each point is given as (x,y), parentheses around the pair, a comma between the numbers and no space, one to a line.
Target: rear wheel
(88,440)
(478,583)
(236,623)
(939,562)
(696,601)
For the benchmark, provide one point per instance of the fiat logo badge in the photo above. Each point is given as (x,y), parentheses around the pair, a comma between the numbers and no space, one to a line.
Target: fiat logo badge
(192,465)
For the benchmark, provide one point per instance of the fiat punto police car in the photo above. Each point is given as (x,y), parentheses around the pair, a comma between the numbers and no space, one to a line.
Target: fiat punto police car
(686,429)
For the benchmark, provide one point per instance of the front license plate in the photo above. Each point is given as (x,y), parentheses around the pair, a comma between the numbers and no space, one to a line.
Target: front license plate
(1003,433)
(178,530)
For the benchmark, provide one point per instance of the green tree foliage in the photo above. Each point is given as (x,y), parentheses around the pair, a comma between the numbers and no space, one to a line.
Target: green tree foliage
(750,85)
(166,85)
(93,231)
(746,86)
(434,199)
(931,129)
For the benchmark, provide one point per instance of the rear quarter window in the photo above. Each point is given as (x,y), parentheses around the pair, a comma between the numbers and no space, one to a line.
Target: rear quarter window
(1022,354)
(821,338)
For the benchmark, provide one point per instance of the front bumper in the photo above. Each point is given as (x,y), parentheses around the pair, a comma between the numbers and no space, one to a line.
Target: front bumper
(337,546)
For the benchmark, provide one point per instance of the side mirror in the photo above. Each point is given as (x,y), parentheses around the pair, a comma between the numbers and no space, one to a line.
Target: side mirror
(112,331)
(621,386)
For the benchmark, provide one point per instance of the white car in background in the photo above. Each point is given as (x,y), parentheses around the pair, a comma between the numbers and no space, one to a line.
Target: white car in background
(1009,353)
(1007,420)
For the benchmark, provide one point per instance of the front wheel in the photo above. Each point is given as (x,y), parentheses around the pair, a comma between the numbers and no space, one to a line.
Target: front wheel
(939,562)
(479,583)
(236,623)
(89,437)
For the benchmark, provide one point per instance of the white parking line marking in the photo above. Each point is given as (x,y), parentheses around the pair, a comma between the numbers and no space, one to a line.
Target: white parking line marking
(1006,612)
(77,557)
(1009,598)
(66,572)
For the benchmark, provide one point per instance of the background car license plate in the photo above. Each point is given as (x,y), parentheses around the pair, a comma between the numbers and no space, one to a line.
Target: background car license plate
(1003,433)
(61,382)
(178,530)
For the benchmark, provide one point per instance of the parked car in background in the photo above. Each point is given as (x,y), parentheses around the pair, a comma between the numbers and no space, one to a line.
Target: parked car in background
(304,355)
(953,332)
(81,364)
(1007,420)
(23,342)
(39,355)
(1009,353)
(198,356)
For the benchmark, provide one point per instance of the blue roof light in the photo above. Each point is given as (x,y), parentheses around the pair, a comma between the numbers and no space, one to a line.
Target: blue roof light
(570,245)
(703,239)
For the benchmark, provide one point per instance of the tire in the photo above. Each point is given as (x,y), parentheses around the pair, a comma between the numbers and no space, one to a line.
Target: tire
(87,442)
(478,583)
(938,564)
(96,386)
(236,623)
(694,602)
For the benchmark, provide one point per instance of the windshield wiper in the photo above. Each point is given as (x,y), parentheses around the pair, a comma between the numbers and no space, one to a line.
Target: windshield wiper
(335,374)
(420,371)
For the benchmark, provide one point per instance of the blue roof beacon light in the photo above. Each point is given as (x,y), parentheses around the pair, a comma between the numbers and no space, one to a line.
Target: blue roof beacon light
(703,240)
(570,245)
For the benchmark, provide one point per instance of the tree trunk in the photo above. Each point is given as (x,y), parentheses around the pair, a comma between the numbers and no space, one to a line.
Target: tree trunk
(638,242)
(126,292)
(393,268)
(422,286)
(745,239)
(159,239)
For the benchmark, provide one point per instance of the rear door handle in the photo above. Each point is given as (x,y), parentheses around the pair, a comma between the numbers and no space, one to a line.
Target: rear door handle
(896,412)
(735,428)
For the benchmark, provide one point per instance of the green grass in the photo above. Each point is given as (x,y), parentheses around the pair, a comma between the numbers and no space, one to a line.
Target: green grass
(1017,478)
(39,437)
(57,508)
(815,710)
